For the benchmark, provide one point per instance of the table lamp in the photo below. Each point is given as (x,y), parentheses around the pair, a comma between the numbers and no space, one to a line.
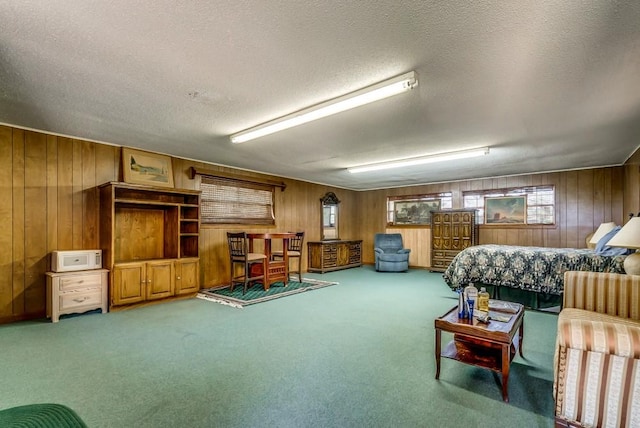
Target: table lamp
(629,237)
(602,230)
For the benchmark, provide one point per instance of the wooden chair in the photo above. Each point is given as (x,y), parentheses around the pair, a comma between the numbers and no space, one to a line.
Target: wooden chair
(239,255)
(294,251)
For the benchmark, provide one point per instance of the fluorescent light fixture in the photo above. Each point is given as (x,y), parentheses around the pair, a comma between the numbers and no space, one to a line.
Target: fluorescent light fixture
(438,157)
(355,99)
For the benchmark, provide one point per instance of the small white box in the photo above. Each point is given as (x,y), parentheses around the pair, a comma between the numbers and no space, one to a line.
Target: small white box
(67,261)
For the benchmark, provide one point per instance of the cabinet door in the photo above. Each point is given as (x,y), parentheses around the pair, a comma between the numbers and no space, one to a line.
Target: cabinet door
(315,256)
(128,283)
(343,254)
(160,279)
(187,276)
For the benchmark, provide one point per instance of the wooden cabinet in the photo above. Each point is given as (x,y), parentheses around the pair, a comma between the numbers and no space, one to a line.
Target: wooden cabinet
(76,292)
(150,240)
(327,256)
(160,279)
(451,232)
(187,276)
(139,281)
(128,283)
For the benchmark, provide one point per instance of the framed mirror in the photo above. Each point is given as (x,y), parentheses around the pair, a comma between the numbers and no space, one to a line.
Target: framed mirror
(329,203)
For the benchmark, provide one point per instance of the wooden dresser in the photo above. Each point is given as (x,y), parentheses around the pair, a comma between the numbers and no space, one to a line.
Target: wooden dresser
(451,232)
(327,256)
(76,292)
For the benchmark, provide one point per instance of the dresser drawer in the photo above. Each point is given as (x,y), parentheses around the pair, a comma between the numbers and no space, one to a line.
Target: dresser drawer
(440,262)
(84,280)
(439,253)
(88,297)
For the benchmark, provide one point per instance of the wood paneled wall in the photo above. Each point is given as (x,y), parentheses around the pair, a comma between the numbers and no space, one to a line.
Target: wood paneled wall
(632,185)
(584,199)
(49,201)
(297,208)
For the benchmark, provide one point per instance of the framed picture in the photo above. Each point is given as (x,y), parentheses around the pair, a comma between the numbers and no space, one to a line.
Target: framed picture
(414,211)
(505,210)
(146,168)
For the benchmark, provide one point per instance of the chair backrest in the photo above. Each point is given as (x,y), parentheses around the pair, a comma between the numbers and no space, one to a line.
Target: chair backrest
(237,244)
(388,242)
(604,292)
(295,244)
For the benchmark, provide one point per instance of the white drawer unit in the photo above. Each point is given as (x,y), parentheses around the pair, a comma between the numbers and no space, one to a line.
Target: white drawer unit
(76,292)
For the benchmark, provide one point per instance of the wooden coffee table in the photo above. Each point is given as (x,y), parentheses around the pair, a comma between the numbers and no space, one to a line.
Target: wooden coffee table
(492,346)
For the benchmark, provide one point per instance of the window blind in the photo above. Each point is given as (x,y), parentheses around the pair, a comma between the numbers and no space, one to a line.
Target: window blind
(233,201)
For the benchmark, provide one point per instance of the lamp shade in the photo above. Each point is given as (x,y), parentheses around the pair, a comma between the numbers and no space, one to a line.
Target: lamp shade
(602,230)
(628,236)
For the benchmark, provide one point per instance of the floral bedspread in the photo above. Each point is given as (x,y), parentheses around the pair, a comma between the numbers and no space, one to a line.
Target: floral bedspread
(536,269)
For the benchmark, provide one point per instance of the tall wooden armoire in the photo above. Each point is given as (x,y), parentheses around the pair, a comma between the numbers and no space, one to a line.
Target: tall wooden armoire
(451,232)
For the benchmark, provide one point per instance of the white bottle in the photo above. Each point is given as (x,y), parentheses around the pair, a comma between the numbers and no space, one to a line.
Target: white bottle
(471,293)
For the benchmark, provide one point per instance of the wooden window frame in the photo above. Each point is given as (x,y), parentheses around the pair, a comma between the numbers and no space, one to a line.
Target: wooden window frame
(445,198)
(475,199)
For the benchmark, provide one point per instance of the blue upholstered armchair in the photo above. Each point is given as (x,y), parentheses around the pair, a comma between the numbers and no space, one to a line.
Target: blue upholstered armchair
(391,256)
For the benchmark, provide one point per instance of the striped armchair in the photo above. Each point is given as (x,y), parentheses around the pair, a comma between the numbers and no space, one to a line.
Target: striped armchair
(597,368)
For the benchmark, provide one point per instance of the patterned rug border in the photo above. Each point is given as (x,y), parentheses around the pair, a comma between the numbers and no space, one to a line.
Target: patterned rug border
(210,295)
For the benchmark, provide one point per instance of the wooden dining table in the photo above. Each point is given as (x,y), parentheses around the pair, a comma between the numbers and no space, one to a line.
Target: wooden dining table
(277,270)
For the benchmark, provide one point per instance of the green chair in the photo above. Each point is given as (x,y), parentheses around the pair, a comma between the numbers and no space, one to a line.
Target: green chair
(41,416)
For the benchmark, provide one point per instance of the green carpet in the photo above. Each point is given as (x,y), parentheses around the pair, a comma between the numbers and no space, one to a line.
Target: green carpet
(360,354)
(257,294)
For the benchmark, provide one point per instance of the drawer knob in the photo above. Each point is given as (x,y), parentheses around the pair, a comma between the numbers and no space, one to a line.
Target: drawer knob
(80,299)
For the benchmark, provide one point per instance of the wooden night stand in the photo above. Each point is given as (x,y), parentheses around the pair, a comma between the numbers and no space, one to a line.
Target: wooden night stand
(76,292)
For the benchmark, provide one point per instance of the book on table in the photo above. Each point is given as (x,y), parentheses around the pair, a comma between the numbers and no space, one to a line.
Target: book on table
(502,306)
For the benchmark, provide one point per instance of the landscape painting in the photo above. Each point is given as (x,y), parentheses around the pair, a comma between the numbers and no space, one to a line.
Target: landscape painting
(505,210)
(146,168)
(414,211)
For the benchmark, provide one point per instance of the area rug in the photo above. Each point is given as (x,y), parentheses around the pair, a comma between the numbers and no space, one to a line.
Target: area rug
(256,294)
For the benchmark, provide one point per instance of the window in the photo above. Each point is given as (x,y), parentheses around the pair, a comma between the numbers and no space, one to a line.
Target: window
(416,209)
(235,201)
(540,202)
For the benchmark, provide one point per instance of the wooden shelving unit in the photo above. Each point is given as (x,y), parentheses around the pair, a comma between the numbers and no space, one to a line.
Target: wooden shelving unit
(150,242)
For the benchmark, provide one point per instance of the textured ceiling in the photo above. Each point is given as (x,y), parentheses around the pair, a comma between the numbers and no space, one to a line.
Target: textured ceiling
(547,85)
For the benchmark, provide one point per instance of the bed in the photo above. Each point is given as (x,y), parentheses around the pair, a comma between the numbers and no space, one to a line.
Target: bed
(536,269)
